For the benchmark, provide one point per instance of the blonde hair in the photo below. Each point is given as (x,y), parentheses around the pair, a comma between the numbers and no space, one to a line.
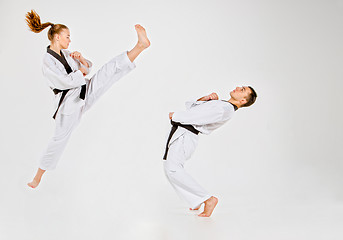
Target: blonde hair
(35,25)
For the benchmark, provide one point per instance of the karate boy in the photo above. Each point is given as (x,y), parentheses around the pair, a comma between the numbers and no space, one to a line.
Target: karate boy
(202,116)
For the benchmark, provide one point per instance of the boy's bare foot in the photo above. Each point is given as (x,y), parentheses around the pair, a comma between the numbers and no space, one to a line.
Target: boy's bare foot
(33,184)
(194,209)
(143,40)
(210,204)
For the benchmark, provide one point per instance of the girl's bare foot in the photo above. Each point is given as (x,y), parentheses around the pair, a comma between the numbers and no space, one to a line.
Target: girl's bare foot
(210,204)
(36,180)
(142,43)
(143,40)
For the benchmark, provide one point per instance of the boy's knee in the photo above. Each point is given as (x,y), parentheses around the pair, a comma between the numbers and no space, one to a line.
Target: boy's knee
(171,169)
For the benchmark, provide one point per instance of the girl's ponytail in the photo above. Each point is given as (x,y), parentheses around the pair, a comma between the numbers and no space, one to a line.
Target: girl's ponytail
(35,25)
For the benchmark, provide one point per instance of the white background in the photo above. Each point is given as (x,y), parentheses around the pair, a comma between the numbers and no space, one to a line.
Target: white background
(276,167)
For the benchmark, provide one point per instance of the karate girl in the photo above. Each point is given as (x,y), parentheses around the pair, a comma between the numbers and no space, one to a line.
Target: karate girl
(201,116)
(65,73)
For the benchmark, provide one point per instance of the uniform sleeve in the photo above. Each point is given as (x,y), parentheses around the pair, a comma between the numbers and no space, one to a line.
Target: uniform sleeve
(191,103)
(60,79)
(200,115)
(90,64)
(79,64)
(88,69)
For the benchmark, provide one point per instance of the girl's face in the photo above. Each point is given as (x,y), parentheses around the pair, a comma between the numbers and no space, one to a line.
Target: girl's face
(63,38)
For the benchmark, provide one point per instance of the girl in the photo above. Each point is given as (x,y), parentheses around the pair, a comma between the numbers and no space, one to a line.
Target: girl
(65,72)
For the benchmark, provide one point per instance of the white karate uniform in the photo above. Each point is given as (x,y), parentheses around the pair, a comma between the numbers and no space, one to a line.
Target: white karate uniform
(205,116)
(73,107)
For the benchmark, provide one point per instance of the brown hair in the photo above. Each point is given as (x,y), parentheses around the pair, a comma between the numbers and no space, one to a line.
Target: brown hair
(251,98)
(35,25)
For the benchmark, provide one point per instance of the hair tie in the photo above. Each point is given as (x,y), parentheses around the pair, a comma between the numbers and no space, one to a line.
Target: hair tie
(52,25)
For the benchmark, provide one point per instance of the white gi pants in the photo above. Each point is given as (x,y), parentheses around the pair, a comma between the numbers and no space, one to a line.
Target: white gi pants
(180,150)
(96,87)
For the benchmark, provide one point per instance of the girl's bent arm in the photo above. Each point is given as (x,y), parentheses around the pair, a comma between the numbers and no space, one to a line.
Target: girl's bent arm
(61,80)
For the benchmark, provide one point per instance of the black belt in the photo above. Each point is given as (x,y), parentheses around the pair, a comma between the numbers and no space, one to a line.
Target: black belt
(173,130)
(64,93)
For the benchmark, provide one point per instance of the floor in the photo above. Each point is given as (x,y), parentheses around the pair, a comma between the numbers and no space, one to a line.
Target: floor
(111,211)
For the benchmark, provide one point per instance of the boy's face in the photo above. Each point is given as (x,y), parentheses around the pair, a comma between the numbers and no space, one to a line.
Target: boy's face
(240,94)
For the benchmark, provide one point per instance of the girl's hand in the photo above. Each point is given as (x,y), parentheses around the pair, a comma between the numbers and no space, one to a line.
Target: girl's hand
(76,55)
(83,70)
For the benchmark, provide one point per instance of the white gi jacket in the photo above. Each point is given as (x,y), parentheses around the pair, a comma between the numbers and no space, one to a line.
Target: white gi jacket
(73,107)
(57,77)
(205,116)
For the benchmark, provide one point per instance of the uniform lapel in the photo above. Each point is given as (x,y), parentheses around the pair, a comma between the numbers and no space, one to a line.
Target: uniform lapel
(61,59)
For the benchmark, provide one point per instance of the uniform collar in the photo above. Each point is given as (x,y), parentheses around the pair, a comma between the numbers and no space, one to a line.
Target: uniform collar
(61,59)
(234,106)
(53,53)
